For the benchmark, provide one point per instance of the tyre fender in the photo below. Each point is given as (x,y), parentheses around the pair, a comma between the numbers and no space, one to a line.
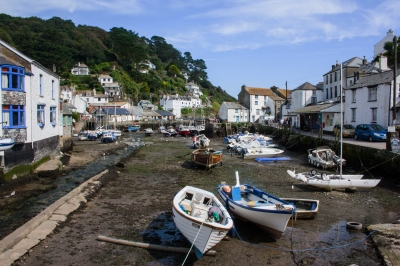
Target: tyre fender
(354,226)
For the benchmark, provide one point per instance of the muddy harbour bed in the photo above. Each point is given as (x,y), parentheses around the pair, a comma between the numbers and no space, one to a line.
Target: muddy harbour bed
(134,204)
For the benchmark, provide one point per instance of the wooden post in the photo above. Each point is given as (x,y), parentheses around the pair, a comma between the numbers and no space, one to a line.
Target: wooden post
(151,246)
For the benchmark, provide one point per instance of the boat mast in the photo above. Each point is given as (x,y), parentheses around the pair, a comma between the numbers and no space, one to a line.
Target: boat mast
(341,118)
(115,115)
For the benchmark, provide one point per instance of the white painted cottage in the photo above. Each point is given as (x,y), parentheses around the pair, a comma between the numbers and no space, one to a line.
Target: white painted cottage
(233,112)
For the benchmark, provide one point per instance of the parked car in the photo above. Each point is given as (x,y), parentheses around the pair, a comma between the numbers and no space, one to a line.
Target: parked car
(371,132)
(348,130)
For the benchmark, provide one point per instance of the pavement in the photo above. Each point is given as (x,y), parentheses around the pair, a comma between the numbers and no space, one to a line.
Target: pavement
(18,243)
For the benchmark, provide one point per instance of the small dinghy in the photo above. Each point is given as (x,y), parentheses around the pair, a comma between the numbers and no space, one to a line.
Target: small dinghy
(305,208)
(201,218)
(272,159)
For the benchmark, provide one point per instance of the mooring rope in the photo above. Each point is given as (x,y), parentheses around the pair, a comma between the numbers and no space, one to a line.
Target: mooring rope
(187,255)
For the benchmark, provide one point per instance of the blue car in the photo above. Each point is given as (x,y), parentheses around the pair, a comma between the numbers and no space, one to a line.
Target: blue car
(371,132)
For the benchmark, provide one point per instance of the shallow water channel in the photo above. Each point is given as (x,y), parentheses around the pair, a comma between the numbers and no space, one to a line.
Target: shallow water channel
(20,211)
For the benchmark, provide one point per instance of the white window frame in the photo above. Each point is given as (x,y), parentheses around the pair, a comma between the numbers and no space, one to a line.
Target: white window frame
(374,115)
(53,115)
(353,114)
(372,94)
(353,96)
(41,119)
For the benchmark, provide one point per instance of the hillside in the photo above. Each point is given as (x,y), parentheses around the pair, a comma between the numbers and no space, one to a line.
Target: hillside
(59,44)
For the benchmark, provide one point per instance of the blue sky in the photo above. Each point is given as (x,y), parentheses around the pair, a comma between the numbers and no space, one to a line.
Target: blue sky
(259,43)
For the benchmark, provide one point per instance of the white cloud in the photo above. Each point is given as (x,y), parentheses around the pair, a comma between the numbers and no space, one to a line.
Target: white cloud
(32,8)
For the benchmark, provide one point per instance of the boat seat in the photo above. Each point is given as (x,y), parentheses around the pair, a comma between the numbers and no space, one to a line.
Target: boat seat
(187,205)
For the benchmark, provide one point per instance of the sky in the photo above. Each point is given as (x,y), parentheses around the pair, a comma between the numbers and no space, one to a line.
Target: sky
(257,43)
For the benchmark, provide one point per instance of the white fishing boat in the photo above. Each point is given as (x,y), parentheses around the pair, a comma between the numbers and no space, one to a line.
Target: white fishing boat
(190,208)
(201,141)
(324,157)
(251,204)
(335,181)
(148,132)
(6,143)
(252,153)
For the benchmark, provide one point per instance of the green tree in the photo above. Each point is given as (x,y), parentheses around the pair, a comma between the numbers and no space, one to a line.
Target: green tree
(173,70)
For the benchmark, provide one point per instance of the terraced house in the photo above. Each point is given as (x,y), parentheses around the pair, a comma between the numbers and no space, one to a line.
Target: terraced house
(30,114)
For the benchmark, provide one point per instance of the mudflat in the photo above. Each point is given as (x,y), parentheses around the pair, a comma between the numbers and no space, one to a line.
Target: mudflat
(134,204)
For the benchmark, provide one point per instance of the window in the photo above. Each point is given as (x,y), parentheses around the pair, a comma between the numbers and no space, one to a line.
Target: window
(256,103)
(335,76)
(257,111)
(52,89)
(98,99)
(256,96)
(40,114)
(12,78)
(41,85)
(236,111)
(335,91)
(326,79)
(53,115)
(353,96)
(331,93)
(14,116)
(265,103)
(374,113)
(330,77)
(327,93)
(372,94)
(353,114)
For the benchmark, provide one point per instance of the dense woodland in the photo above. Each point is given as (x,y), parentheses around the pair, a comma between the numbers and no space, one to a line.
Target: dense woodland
(59,44)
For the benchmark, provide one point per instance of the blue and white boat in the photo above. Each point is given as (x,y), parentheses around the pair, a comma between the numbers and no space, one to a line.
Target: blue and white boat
(108,136)
(251,204)
(133,128)
(6,144)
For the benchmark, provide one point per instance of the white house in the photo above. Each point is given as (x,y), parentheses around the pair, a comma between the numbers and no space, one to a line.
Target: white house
(370,99)
(30,97)
(302,96)
(233,112)
(83,99)
(105,79)
(66,93)
(80,69)
(143,67)
(263,103)
(378,47)
(175,103)
(194,89)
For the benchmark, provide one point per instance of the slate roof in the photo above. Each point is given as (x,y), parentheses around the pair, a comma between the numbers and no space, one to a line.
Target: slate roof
(312,109)
(306,86)
(66,108)
(118,111)
(373,80)
(348,63)
(265,92)
(234,105)
(164,113)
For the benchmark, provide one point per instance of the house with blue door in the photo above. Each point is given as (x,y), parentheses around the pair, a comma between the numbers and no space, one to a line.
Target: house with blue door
(30,113)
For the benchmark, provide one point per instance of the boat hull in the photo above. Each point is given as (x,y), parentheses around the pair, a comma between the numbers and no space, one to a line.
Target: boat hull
(191,218)
(349,183)
(267,216)
(305,208)
(251,154)
(6,144)
(206,157)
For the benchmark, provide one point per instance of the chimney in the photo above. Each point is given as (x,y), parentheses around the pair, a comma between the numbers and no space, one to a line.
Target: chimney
(333,67)
(383,62)
(364,62)
(337,64)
